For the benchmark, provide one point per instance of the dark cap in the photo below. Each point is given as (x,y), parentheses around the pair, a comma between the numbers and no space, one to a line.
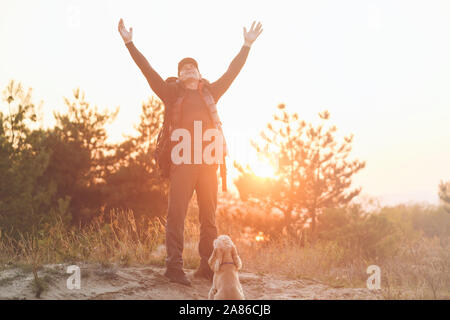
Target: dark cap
(186,60)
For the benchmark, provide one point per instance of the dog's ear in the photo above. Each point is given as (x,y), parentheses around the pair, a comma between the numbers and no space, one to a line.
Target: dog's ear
(236,259)
(215,260)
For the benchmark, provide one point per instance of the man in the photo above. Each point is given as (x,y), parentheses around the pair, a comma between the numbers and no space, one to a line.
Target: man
(187,177)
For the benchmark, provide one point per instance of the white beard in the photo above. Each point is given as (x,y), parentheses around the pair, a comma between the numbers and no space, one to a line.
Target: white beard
(190,74)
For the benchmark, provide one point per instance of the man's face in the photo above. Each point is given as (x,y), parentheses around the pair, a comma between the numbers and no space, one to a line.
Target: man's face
(189,72)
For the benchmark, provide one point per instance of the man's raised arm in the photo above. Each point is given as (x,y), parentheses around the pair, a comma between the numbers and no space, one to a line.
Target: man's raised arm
(155,81)
(219,87)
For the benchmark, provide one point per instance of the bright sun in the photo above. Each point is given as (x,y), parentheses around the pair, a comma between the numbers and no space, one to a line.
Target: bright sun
(244,154)
(263,169)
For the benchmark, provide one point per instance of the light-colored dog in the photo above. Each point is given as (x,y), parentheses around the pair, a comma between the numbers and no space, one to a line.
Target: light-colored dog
(225,263)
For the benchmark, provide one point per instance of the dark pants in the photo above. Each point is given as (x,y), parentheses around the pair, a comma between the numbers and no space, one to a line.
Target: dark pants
(184,179)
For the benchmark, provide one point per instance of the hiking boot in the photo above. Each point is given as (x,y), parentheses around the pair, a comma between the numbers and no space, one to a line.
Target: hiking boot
(204,271)
(178,276)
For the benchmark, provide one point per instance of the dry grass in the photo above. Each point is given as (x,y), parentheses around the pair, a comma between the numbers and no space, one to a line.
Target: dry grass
(420,271)
(116,238)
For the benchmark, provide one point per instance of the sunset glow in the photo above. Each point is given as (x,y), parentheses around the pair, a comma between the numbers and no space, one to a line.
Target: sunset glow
(381,68)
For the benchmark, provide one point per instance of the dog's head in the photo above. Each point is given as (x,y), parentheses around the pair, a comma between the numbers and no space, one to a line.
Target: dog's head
(222,245)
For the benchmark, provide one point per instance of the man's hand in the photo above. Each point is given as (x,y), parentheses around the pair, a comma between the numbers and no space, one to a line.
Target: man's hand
(127,36)
(252,34)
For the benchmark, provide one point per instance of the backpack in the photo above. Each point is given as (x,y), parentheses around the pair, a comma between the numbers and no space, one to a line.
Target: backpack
(163,142)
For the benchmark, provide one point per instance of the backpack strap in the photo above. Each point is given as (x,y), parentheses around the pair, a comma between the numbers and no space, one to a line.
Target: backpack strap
(176,113)
(212,110)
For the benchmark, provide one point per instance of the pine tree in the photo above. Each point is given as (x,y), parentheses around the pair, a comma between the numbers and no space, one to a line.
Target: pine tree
(24,200)
(81,157)
(134,183)
(313,170)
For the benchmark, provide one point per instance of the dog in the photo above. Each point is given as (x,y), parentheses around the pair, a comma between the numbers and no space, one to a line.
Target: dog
(225,262)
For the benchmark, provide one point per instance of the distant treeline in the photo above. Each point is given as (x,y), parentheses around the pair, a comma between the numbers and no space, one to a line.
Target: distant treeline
(70,173)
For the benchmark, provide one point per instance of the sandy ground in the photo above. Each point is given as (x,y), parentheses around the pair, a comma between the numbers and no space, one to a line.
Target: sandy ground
(148,282)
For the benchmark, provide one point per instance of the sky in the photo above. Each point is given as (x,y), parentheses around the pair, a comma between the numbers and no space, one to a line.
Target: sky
(381,68)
